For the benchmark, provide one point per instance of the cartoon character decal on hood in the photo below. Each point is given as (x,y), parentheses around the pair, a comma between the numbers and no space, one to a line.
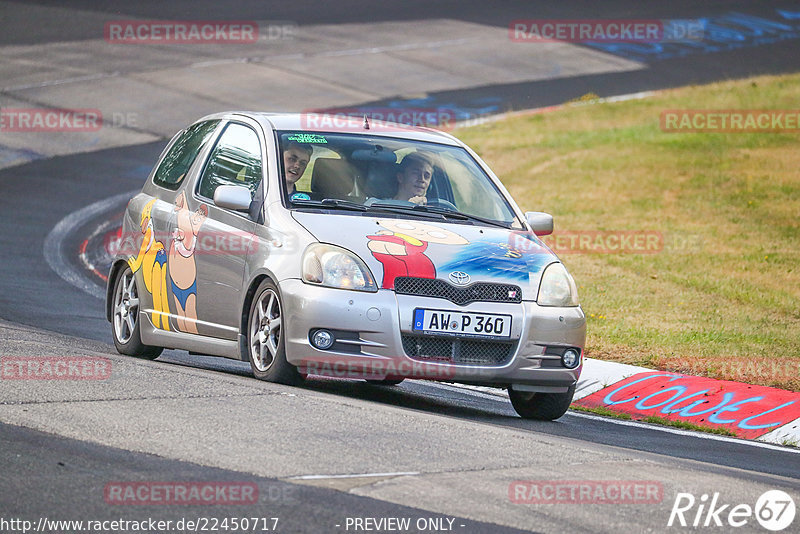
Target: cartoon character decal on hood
(423,248)
(497,259)
(401,248)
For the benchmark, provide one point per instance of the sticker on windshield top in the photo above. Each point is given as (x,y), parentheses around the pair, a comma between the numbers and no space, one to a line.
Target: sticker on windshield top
(307,138)
(299,196)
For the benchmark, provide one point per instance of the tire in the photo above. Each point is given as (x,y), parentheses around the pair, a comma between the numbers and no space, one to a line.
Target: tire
(125,324)
(541,406)
(386,382)
(266,343)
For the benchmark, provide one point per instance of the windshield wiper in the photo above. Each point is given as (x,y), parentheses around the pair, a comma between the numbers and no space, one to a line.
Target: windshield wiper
(445,212)
(331,203)
(395,208)
(434,211)
(461,215)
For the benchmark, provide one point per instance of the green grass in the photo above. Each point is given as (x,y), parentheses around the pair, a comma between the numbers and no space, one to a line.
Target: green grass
(607,412)
(722,298)
(688,426)
(600,410)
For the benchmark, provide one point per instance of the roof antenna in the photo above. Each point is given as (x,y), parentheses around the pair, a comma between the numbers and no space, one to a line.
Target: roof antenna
(366,122)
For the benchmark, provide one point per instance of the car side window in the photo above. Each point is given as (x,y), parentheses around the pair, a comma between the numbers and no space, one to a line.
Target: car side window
(235,160)
(181,155)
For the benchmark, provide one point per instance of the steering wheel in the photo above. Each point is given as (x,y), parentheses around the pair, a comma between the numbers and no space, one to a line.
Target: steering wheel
(442,203)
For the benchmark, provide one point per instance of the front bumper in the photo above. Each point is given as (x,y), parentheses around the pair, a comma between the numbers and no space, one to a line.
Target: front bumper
(372,327)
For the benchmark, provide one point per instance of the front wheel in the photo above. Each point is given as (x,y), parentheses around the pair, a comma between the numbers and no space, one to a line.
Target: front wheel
(125,319)
(541,406)
(266,339)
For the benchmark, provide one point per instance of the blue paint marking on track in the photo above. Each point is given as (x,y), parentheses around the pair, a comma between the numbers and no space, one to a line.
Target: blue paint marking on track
(472,109)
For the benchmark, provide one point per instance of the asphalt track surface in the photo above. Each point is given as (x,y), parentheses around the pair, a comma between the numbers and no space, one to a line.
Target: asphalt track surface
(60,476)
(34,460)
(776,58)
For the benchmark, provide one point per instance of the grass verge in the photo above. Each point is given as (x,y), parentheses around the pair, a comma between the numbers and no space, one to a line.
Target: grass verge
(605,412)
(721,297)
(653,420)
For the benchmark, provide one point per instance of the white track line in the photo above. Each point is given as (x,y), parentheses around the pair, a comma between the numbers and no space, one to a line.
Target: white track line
(680,432)
(55,255)
(483,119)
(49,83)
(659,428)
(362,475)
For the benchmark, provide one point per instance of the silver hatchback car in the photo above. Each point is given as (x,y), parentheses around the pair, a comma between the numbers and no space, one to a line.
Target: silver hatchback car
(345,248)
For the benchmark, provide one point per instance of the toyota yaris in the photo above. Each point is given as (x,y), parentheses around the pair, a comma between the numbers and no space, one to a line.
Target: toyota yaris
(345,248)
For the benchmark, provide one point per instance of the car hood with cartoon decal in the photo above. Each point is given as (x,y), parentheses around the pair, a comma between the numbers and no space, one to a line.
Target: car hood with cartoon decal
(435,249)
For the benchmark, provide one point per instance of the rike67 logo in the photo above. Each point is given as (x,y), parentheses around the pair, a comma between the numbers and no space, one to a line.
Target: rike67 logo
(774,510)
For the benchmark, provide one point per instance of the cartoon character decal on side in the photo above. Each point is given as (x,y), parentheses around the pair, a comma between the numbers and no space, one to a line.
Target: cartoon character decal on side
(182,267)
(152,260)
(401,248)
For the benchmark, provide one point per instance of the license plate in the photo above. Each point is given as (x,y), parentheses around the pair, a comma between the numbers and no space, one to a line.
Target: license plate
(462,324)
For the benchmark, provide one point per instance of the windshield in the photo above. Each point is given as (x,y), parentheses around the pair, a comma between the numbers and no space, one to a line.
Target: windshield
(393,176)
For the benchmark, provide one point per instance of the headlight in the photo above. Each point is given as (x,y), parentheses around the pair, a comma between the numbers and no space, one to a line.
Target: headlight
(557,287)
(332,266)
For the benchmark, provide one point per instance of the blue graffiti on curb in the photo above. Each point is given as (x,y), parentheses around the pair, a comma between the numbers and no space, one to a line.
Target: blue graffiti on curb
(723,33)
(728,403)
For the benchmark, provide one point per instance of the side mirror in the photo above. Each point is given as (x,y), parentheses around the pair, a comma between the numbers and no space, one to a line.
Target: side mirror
(541,223)
(232,197)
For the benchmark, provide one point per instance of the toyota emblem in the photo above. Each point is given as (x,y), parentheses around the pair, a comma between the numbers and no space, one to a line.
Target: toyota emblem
(459,278)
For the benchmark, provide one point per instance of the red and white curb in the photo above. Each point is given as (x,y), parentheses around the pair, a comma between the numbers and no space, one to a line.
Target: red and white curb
(603,378)
(758,413)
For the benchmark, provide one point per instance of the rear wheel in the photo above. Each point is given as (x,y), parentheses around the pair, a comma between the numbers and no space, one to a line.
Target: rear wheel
(541,406)
(266,340)
(125,318)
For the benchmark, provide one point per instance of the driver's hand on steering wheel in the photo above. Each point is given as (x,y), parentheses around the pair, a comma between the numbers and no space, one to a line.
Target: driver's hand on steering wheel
(419,200)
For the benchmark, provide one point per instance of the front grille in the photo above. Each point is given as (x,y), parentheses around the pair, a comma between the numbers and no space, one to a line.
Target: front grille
(458,351)
(477,292)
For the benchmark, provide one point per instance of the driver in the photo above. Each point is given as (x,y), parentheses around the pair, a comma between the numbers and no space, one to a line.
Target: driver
(295,160)
(414,177)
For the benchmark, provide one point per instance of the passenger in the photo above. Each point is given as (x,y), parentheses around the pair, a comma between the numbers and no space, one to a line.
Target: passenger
(414,177)
(295,160)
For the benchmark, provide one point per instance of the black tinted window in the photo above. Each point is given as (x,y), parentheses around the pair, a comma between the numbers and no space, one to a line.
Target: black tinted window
(236,160)
(180,157)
